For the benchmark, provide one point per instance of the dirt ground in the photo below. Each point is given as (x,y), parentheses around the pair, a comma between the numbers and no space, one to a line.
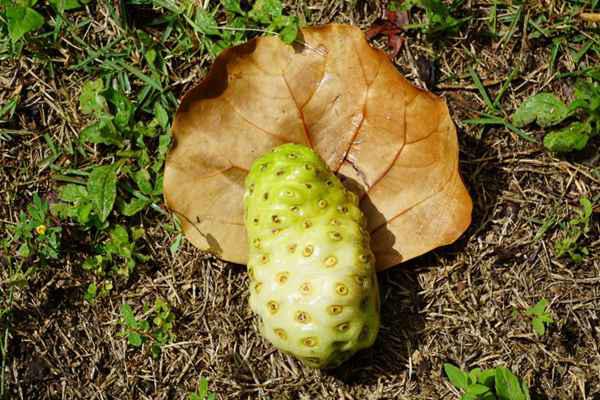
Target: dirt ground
(454,304)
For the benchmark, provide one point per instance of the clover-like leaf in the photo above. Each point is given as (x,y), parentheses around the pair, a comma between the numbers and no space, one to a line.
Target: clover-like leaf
(392,144)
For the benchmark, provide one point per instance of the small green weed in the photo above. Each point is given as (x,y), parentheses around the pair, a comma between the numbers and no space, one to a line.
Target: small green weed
(547,110)
(135,329)
(156,328)
(37,233)
(20,266)
(265,16)
(25,17)
(438,16)
(118,256)
(574,230)
(540,316)
(89,205)
(117,165)
(131,183)
(490,384)
(202,393)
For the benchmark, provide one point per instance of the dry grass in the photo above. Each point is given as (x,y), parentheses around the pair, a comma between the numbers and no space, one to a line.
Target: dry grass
(452,305)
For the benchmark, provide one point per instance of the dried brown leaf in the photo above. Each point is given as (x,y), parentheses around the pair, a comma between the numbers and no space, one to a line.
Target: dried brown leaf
(393,144)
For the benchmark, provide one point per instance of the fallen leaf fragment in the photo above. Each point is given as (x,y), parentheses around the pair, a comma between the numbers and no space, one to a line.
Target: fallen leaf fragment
(391,26)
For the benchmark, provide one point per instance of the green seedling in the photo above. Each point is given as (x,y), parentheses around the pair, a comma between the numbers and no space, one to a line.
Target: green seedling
(202,393)
(36,234)
(114,126)
(162,322)
(490,384)
(540,316)
(117,257)
(91,204)
(135,329)
(544,108)
(157,328)
(574,230)
(438,16)
(22,18)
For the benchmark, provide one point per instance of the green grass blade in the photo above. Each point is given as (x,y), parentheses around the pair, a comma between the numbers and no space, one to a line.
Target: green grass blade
(489,119)
(481,88)
(505,85)
(117,65)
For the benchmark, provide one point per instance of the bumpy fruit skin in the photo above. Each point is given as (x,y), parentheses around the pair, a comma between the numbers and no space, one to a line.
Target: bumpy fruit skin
(312,276)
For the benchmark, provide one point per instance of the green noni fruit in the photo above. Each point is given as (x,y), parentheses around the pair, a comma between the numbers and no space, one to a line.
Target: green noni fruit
(312,275)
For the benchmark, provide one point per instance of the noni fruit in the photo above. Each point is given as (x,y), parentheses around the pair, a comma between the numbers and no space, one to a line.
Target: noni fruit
(312,277)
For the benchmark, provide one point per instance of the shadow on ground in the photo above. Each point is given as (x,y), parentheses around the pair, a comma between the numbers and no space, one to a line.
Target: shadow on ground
(402,316)
(398,338)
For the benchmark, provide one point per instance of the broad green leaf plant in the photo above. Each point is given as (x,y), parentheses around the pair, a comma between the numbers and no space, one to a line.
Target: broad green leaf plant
(21,18)
(491,384)
(547,110)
